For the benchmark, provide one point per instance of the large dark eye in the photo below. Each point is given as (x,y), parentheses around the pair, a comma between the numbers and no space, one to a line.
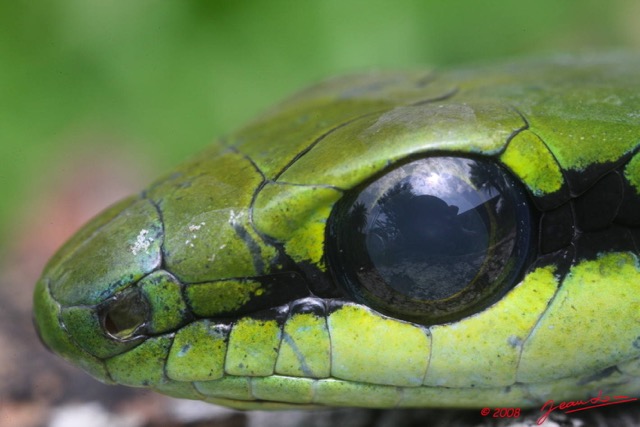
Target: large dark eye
(431,241)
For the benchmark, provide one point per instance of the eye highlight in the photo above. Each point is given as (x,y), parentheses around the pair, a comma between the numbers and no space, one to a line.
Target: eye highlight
(433,240)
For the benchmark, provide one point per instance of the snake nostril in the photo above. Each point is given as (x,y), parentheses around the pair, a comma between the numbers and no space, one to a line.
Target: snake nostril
(124,317)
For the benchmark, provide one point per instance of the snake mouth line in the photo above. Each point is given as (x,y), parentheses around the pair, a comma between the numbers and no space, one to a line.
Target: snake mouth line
(277,392)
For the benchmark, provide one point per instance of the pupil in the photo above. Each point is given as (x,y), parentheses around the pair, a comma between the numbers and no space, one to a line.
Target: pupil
(428,247)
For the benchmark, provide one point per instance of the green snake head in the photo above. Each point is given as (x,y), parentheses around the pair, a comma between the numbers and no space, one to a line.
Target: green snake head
(459,239)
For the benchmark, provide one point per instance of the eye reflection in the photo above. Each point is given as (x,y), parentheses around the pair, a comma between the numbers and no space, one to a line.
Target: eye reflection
(432,236)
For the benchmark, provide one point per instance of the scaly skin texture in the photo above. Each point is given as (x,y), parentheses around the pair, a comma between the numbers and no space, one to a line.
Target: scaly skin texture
(225,257)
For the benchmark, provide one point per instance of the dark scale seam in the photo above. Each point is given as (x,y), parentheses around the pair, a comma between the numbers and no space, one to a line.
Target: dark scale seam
(254,196)
(310,147)
(564,177)
(427,331)
(162,265)
(171,336)
(306,150)
(164,365)
(540,317)
(515,132)
(444,97)
(528,127)
(254,247)
(282,257)
(281,325)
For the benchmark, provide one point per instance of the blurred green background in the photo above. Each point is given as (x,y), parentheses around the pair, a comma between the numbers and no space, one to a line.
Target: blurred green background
(161,79)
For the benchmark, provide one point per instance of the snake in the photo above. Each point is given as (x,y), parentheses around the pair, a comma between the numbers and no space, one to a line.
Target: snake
(457,238)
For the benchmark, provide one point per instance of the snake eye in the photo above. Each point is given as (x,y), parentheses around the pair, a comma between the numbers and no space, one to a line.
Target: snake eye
(431,241)
(125,315)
